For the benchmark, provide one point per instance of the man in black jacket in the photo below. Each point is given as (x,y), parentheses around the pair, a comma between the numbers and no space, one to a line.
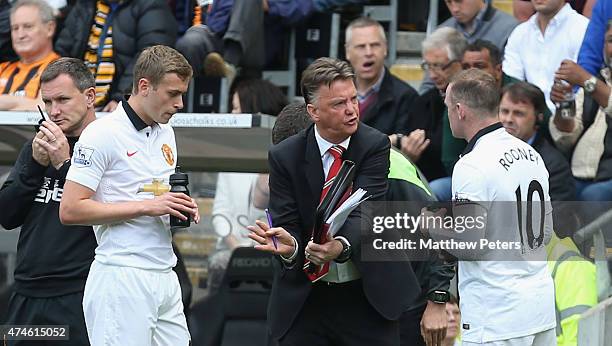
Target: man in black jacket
(521,111)
(52,259)
(384,100)
(136,24)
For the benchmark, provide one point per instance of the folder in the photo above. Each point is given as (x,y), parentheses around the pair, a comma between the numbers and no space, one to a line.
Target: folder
(337,194)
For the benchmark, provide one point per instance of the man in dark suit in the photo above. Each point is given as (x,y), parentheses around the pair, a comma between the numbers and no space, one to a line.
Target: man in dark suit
(384,100)
(358,302)
(426,319)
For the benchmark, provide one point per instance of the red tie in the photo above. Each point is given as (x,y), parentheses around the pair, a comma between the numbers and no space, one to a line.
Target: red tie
(335,151)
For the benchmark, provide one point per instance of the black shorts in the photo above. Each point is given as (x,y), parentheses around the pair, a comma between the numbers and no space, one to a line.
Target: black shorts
(62,310)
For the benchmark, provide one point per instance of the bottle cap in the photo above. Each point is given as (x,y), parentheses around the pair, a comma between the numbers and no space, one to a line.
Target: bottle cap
(178,177)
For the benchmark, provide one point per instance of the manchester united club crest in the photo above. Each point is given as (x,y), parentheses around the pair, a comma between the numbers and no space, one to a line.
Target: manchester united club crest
(168,155)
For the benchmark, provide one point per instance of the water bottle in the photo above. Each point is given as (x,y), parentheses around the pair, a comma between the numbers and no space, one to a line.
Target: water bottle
(567,107)
(178,183)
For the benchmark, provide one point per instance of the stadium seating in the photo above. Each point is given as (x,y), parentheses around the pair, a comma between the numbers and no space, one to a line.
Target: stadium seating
(238,311)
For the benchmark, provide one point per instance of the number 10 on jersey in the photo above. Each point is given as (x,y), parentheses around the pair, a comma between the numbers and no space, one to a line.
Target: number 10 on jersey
(528,237)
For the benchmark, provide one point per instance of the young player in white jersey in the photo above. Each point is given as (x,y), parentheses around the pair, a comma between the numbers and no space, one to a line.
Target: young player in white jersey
(503,301)
(132,296)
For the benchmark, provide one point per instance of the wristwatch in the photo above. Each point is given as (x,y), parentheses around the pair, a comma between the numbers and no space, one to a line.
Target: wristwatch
(590,84)
(345,255)
(398,140)
(64,163)
(439,297)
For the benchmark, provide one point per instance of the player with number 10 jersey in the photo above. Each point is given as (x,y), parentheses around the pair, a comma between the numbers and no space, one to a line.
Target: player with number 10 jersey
(505,299)
(507,295)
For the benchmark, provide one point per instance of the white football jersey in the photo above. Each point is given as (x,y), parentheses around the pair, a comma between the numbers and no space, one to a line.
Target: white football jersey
(503,298)
(117,160)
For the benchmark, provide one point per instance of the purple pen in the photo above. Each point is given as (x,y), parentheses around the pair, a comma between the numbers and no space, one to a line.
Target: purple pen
(270,225)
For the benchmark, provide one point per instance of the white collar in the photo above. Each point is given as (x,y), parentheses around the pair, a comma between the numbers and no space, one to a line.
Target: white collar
(563,13)
(324,145)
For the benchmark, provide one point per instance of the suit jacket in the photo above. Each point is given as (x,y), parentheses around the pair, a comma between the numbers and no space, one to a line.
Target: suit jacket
(394,100)
(296,181)
(427,113)
(561,187)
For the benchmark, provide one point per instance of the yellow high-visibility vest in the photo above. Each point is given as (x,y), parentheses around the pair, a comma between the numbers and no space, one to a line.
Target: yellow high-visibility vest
(575,287)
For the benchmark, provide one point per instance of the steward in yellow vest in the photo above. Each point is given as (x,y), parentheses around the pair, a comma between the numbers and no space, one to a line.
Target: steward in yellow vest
(575,287)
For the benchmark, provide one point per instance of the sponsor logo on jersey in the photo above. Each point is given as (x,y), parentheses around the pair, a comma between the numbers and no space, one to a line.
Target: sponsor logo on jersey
(49,190)
(157,187)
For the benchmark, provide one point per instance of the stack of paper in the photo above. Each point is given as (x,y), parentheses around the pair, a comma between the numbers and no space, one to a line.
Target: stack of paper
(337,219)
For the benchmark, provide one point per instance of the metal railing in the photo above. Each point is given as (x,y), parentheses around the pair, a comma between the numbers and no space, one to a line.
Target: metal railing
(595,325)
(594,231)
(432,19)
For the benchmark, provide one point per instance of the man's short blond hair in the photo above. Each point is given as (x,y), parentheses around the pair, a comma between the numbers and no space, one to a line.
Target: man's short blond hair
(157,61)
(476,89)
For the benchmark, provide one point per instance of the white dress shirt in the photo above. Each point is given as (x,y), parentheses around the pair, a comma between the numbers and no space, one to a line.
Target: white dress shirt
(534,57)
(326,157)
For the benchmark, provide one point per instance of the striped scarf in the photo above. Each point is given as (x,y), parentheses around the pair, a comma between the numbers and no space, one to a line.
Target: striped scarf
(99,54)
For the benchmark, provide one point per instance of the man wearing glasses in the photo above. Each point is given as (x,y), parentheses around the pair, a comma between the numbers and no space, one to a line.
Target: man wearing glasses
(428,140)
(476,20)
